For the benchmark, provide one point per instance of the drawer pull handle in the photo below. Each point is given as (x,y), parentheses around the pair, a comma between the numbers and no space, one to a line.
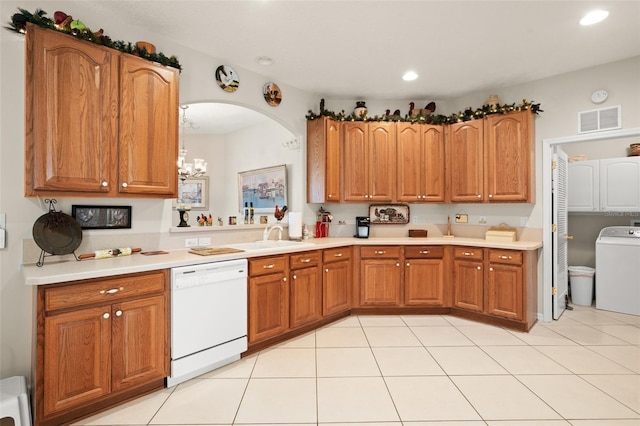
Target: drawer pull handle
(468,253)
(337,255)
(380,252)
(106,315)
(305,260)
(118,313)
(111,291)
(505,257)
(269,266)
(424,251)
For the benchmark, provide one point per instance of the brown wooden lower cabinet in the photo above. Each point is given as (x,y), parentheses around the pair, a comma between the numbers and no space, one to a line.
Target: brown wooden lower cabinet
(305,288)
(468,278)
(336,280)
(380,276)
(268,297)
(425,276)
(99,342)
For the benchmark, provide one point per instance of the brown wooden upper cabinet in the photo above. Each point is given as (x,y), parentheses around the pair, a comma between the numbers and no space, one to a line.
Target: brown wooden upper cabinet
(369,161)
(98,122)
(421,163)
(323,161)
(492,160)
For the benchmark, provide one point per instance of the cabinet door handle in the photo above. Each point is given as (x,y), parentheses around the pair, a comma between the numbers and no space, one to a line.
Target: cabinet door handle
(284,279)
(380,252)
(479,267)
(326,270)
(111,291)
(490,195)
(105,183)
(106,315)
(118,313)
(330,195)
(424,251)
(305,260)
(479,195)
(505,257)
(366,196)
(124,184)
(569,237)
(468,253)
(295,277)
(398,264)
(408,264)
(337,255)
(269,266)
(491,269)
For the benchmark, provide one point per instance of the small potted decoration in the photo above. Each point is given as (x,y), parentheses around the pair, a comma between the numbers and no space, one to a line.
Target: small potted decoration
(360,110)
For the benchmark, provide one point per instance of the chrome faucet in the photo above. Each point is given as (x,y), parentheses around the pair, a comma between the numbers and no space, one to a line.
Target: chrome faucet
(267,232)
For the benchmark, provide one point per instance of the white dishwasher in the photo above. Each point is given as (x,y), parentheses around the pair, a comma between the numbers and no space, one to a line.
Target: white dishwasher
(618,269)
(208,317)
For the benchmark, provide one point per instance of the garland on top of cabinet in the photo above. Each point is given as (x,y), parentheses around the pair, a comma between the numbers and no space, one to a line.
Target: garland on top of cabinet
(466,115)
(65,24)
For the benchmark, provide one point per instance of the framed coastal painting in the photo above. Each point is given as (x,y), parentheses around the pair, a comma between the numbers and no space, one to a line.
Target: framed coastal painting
(265,188)
(194,192)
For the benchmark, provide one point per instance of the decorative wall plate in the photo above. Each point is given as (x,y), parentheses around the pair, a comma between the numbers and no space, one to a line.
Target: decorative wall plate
(227,78)
(272,94)
(388,214)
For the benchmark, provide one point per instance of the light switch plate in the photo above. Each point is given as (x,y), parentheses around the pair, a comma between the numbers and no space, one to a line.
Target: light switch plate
(2,233)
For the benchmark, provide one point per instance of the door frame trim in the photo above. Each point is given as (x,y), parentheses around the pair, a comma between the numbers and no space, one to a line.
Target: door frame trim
(547,214)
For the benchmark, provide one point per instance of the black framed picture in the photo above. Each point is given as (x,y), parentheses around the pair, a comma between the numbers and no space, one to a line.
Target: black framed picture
(102,217)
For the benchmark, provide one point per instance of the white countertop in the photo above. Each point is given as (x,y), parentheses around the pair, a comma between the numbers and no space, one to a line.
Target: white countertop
(70,270)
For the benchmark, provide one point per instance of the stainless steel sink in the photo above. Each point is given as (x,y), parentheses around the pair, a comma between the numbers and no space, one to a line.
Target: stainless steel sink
(269,244)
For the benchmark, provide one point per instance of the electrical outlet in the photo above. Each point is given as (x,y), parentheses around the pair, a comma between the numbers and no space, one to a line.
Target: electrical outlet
(523,221)
(414,219)
(205,241)
(462,218)
(190,242)
(482,220)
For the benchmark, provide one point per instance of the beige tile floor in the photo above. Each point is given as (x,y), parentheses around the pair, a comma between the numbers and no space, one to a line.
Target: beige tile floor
(582,370)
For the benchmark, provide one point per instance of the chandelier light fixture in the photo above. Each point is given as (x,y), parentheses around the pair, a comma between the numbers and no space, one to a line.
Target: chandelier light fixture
(188,170)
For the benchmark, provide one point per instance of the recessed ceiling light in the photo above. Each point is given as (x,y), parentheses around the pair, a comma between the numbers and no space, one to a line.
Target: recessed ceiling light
(409,76)
(594,17)
(264,60)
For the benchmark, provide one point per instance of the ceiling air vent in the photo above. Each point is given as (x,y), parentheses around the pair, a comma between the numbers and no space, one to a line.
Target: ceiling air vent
(601,119)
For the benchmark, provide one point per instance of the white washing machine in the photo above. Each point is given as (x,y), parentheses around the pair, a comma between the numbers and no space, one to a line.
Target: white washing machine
(618,269)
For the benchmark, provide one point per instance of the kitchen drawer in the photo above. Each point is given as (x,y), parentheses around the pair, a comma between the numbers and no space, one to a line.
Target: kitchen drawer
(336,254)
(380,252)
(267,265)
(304,259)
(468,253)
(510,257)
(102,290)
(423,252)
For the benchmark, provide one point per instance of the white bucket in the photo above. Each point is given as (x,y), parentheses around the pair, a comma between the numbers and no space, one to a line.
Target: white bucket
(581,284)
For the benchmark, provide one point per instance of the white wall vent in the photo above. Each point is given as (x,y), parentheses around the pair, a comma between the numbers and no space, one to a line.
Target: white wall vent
(597,120)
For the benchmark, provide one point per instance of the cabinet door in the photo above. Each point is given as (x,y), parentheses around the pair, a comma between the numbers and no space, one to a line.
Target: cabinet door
(434,163)
(508,151)
(77,356)
(140,346)
(323,160)
(505,292)
(424,282)
(465,158)
(305,296)
(336,295)
(382,157)
(71,114)
(268,306)
(620,184)
(468,285)
(356,161)
(410,163)
(380,282)
(148,143)
(584,186)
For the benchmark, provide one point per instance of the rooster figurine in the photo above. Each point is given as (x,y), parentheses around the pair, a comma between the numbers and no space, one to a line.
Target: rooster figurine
(279,213)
